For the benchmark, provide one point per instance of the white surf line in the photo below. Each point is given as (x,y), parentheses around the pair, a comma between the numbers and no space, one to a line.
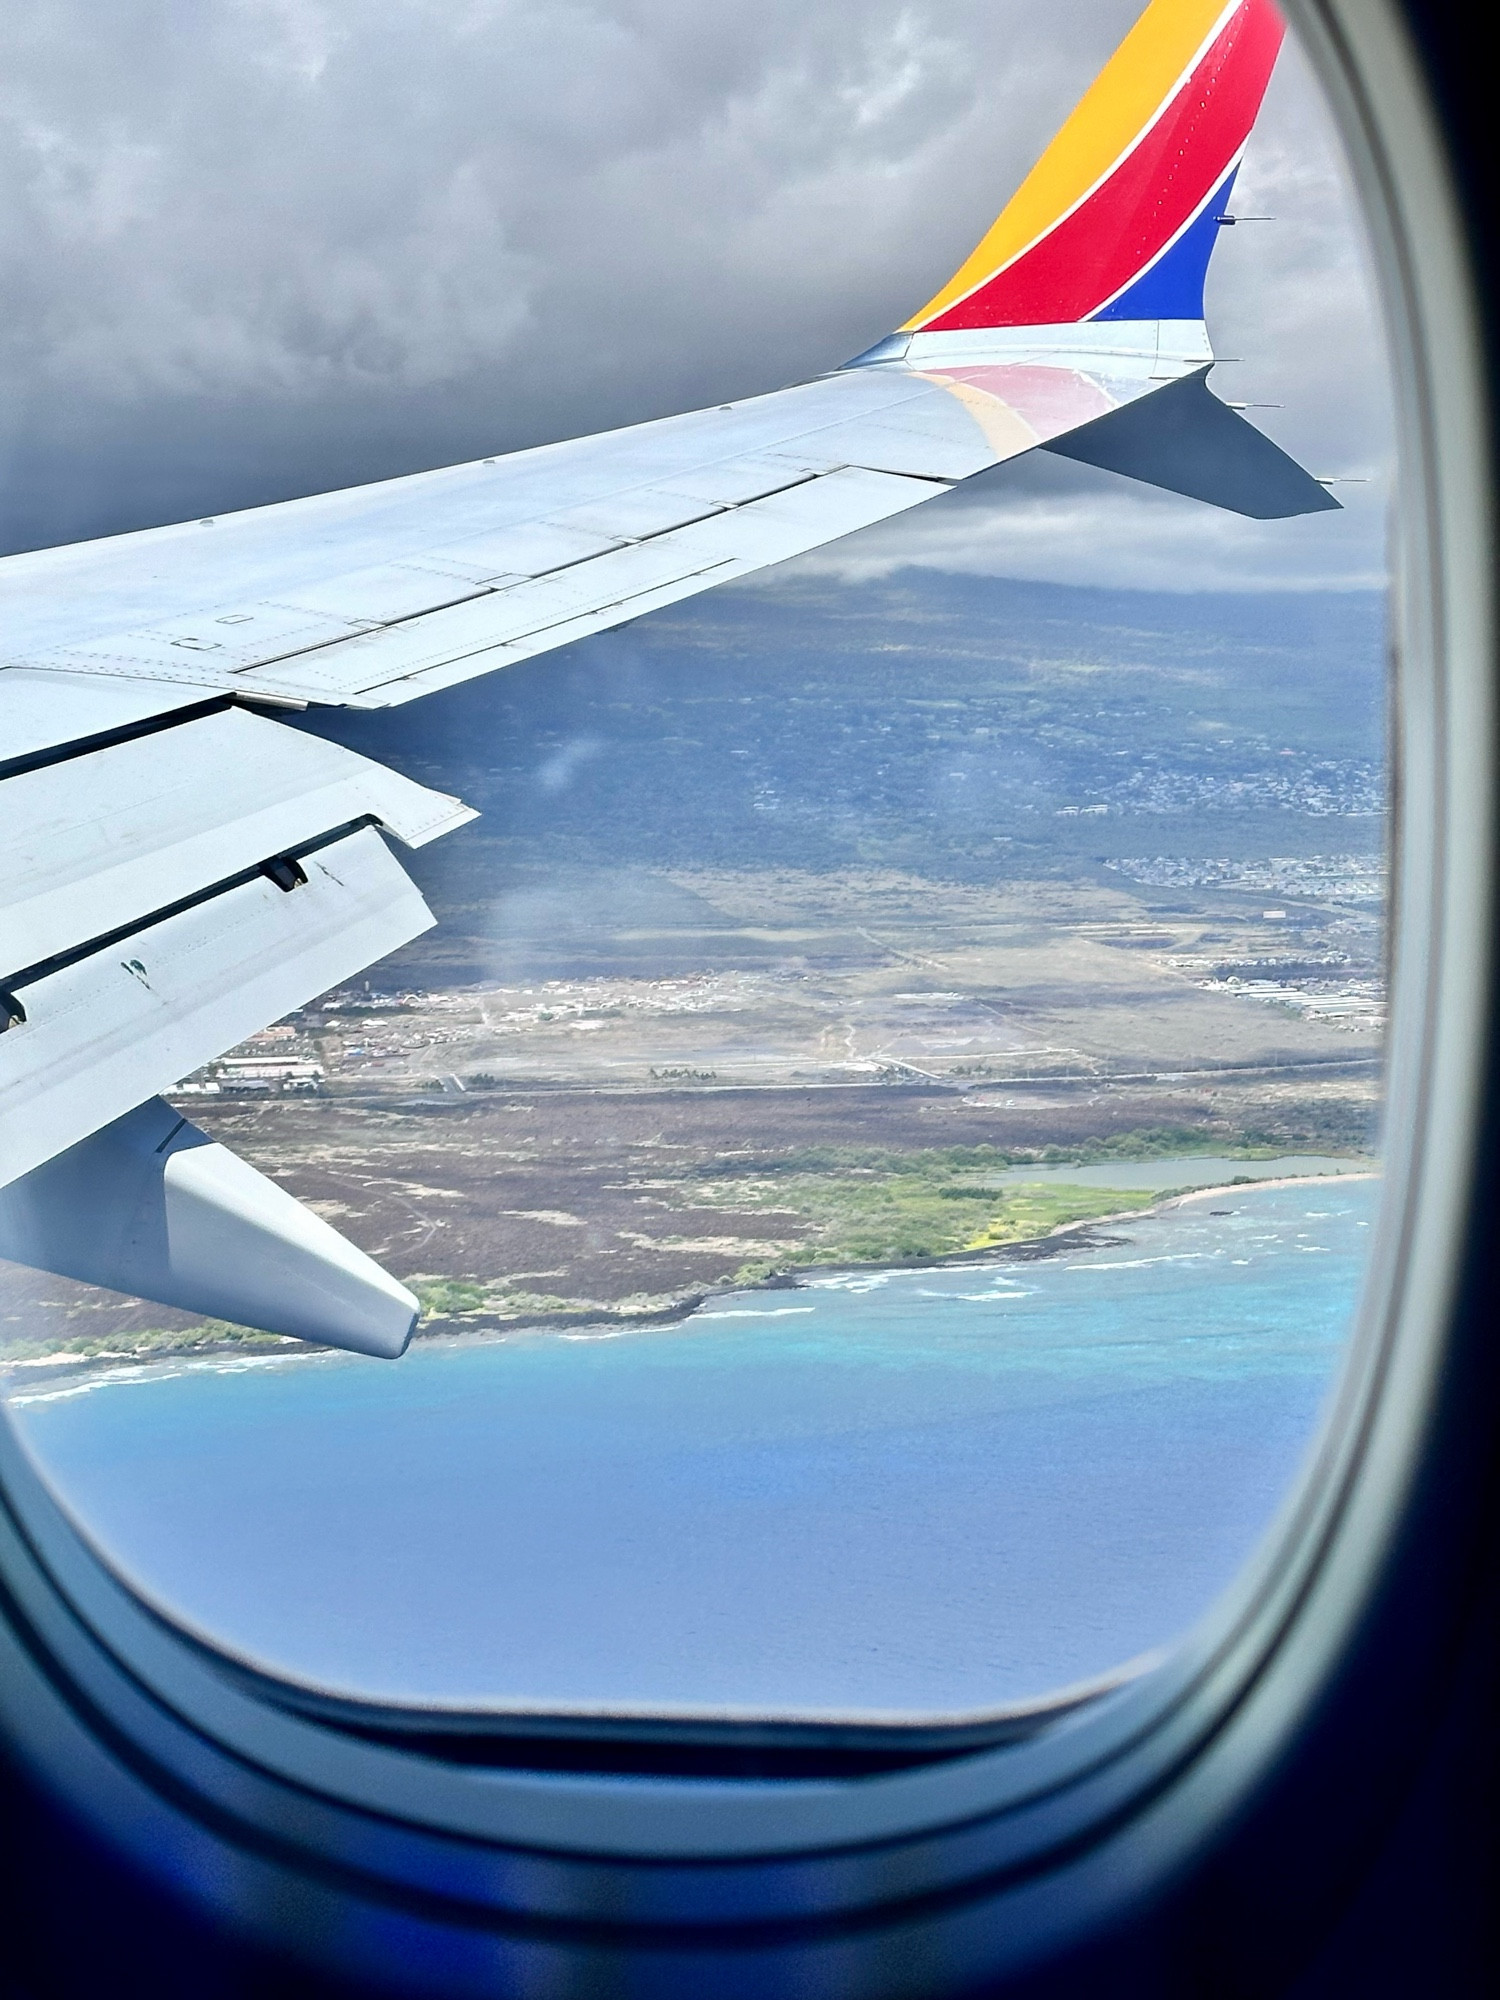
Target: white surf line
(1247,1185)
(774,1312)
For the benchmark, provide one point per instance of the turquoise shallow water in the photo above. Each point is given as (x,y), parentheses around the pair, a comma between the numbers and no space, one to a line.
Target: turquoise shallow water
(922,1488)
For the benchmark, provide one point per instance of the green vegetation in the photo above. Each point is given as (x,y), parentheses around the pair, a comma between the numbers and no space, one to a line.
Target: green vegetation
(1156,1142)
(811,1206)
(1027,1213)
(149,1344)
(442,1299)
(447,1298)
(473,1298)
(893,1208)
(866,1205)
(856,1205)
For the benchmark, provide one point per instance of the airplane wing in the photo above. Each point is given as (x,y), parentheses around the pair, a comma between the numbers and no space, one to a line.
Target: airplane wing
(379,594)
(184,869)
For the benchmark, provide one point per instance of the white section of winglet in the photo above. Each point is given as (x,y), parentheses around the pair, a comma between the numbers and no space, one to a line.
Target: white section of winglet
(1113,345)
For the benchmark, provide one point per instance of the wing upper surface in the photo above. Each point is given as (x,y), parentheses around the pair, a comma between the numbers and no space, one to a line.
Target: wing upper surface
(380,593)
(183,871)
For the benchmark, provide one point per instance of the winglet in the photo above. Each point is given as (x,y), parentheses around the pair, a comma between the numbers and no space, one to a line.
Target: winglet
(1185,440)
(1119,216)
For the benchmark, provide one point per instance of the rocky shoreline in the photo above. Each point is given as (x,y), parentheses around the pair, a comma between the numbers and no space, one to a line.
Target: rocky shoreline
(66,1363)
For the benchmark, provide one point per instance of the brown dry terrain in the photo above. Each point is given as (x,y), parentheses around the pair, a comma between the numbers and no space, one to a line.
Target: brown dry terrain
(793,978)
(575,1140)
(567,1198)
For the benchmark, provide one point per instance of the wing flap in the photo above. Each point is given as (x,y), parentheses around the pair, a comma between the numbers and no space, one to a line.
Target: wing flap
(97,843)
(43,713)
(124,1022)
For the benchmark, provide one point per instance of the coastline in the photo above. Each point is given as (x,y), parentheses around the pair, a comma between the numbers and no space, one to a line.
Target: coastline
(1057,1241)
(1064,1237)
(1287,1180)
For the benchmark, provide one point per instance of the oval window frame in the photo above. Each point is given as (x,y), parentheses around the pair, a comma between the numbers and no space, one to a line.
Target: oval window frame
(301,1830)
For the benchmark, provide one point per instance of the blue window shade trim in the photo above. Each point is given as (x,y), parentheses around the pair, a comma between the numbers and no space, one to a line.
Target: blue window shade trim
(1172,287)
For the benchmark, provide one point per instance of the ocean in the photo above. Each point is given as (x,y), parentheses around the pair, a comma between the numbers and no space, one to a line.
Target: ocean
(924,1490)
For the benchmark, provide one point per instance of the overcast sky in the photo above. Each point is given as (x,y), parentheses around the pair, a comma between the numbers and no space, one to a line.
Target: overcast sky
(251,248)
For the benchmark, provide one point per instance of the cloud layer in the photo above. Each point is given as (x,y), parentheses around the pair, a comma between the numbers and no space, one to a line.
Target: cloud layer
(271,246)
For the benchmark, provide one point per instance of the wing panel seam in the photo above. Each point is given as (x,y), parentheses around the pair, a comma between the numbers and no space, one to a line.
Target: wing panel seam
(108,739)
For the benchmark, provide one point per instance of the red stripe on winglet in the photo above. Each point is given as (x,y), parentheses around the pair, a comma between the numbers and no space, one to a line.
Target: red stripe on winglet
(1110,238)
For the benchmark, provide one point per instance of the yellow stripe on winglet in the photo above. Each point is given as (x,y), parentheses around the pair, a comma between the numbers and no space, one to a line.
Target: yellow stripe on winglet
(1110,115)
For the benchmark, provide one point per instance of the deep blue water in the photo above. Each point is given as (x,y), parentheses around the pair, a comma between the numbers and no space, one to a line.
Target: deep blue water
(908,1489)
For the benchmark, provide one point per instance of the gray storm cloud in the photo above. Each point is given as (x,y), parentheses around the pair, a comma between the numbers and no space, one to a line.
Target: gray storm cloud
(258,247)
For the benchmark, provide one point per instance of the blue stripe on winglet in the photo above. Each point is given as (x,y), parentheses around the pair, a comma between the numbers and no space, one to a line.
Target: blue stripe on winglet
(1172,287)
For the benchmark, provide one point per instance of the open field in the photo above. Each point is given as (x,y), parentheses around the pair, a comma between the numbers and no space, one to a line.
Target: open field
(787,979)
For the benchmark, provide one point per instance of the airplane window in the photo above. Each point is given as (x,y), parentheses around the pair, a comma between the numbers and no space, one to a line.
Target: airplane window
(885,1129)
